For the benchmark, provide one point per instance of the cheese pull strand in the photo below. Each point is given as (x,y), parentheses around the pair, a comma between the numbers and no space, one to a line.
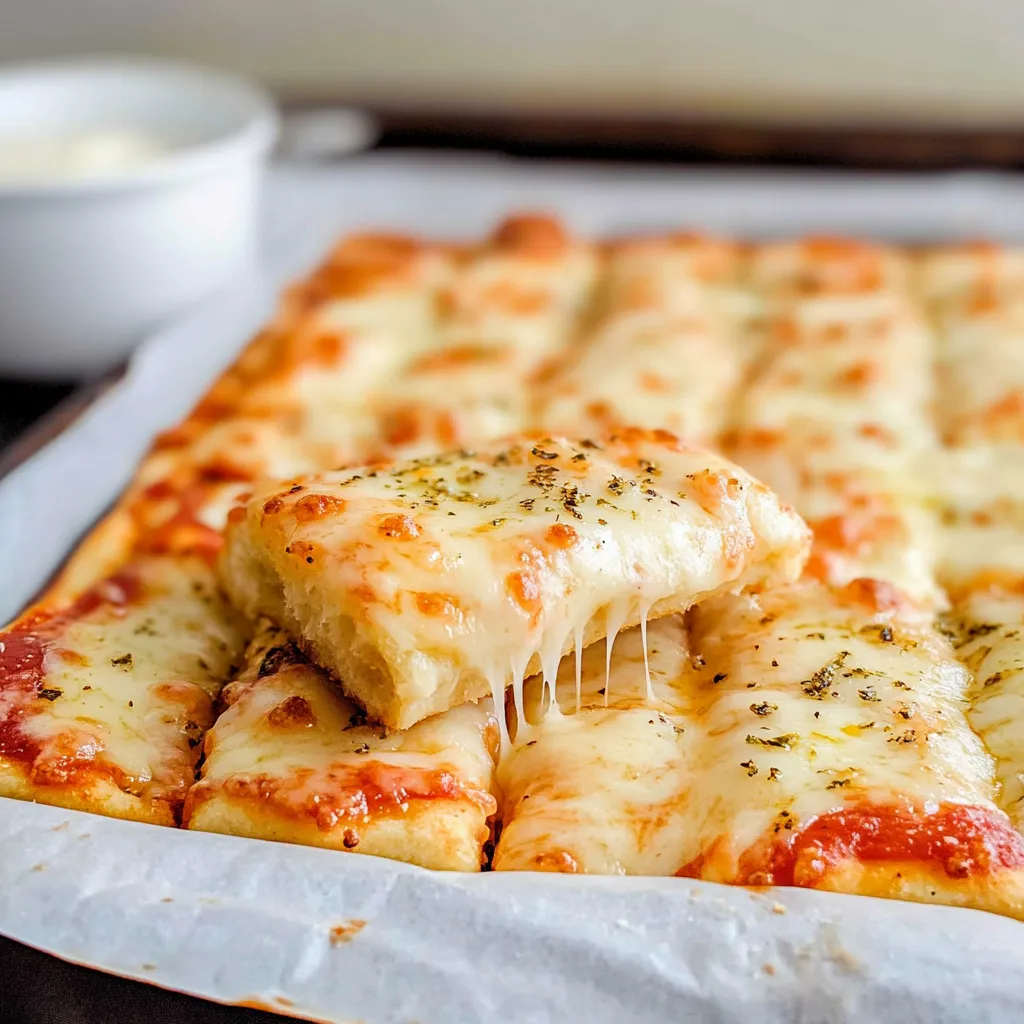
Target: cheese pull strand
(600,789)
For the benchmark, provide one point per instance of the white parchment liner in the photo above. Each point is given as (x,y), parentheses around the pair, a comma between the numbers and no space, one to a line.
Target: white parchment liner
(343,937)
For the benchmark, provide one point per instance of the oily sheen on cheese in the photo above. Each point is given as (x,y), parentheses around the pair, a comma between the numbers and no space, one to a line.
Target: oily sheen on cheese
(835,753)
(661,317)
(291,759)
(513,308)
(426,583)
(987,628)
(836,415)
(593,783)
(103,702)
(823,735)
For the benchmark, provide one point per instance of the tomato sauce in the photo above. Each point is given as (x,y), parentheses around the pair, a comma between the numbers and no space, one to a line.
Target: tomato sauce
(960,841)
(342,792)
(23,651)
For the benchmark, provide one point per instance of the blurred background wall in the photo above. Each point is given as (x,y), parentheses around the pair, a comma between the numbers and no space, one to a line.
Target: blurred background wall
(921,61)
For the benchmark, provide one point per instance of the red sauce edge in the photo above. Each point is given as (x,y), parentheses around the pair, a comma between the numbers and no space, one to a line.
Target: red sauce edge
(355,794)
(26,645)
(959,840)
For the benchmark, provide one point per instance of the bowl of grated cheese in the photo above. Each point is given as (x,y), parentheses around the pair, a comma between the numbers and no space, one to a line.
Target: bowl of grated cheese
(128,191)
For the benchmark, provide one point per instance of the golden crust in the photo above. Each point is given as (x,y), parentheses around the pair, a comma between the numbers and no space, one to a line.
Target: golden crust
(1001,893)
(101,797)
(445,837)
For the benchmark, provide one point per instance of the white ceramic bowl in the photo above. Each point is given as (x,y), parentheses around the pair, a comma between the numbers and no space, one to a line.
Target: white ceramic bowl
(88,265)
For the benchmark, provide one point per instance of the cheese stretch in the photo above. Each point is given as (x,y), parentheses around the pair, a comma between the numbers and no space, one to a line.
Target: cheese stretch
(426,583)
(810,735)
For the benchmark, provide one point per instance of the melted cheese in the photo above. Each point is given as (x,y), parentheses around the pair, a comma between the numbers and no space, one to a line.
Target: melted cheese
(659,321)
(870,507)
(952,276)
(426,583)
(980,501)
(980,318)
(116,690)
(368,310)
(295,400)
(990,641)
(292,759)
(596,784)
(508,311)
(837,414)
(847,375)
(815,701)
(832,269)
(981,370)
(398,346)
(515,293)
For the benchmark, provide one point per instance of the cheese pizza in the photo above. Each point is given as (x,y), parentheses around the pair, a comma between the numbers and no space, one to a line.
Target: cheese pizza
(837,414)
(376,594)
(977,299)
(426,583)
(513,309)
(291,759)
(661,316)
(104,701)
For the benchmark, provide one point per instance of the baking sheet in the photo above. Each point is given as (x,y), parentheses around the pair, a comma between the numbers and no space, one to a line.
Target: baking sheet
(342,937)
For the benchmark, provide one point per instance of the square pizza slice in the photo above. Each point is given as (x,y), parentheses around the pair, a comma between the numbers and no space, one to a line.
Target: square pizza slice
(426,583)
(635,365)
(835,753)
(104,700)
(291,759)
(510,309)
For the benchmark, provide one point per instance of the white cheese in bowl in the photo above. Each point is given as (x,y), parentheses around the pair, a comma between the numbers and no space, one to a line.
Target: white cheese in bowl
(100,153)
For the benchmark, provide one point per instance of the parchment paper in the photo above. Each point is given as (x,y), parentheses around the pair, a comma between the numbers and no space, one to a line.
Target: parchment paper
(342,937)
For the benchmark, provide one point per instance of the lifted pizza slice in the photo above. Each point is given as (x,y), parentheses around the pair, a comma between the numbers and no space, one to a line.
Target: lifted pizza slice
(426,583)
(291,759)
